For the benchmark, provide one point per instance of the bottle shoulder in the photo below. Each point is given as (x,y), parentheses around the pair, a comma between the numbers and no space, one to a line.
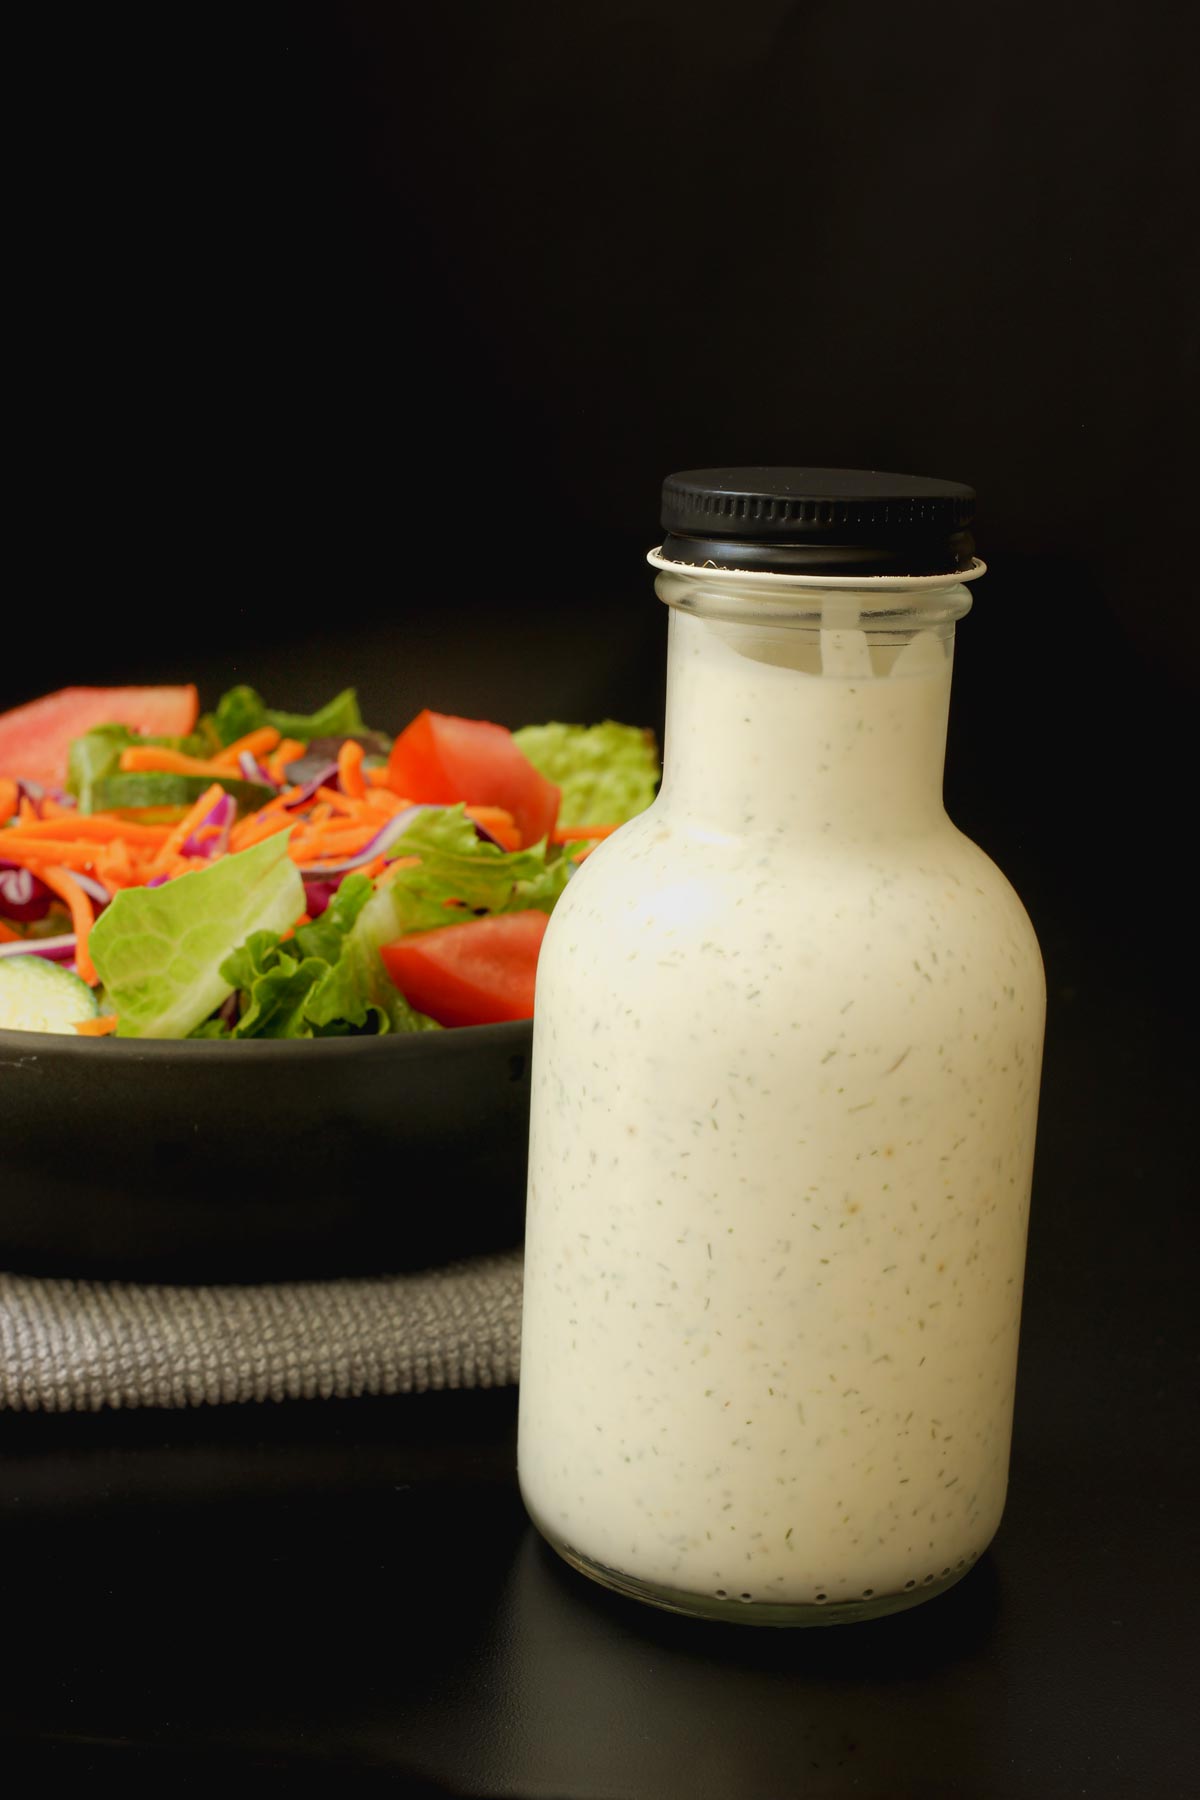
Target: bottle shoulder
(659,850)
(661,877)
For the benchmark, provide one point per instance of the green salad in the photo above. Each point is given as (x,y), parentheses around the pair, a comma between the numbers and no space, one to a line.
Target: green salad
(259,873)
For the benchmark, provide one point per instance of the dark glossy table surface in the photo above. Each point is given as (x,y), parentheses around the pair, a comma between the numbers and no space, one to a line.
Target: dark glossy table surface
(350,1592)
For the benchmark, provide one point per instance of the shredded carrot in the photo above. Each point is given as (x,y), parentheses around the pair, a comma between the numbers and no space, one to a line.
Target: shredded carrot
(567,834)
(317,856)
(90,825)
(320,813)
(8,935)
(376,777)
(146,760)
(52,809)
(255,743)
(500,823)
(8,798)
(194,816)
(287,753)
(341,803)
(61,882)
(81,857)
(22,846)
(350,758)
(330,841)
(257,826)
(28,812)
(114,866)
(382,801)
(100,1027)
(129,831)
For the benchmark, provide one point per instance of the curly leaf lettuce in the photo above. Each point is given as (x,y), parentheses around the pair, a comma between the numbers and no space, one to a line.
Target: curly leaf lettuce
(243,710)
(159,951)
(171,956)
(459,876)
(459,869)
(607,773)
(307,986)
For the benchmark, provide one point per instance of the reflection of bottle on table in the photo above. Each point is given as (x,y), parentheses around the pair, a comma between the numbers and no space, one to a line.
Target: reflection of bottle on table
(786,1063)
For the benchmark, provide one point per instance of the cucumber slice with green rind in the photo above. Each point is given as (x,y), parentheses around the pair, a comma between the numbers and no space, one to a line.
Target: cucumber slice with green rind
(39,995)
(126,793)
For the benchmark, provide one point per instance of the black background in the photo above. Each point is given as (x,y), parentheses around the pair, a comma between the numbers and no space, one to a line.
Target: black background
(353,345)
(356,340)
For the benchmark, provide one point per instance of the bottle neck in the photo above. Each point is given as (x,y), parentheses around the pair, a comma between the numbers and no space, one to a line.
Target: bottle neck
(823,730)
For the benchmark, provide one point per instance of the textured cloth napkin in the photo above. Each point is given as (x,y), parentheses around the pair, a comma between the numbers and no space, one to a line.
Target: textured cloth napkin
(82,1345)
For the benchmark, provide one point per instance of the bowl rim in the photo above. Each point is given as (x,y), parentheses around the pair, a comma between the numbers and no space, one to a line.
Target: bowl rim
(27,1044)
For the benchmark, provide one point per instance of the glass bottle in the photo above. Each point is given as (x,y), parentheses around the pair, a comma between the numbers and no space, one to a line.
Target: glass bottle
(787,1050)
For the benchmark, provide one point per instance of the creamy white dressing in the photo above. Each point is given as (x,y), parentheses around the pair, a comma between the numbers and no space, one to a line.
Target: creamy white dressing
(787,1048)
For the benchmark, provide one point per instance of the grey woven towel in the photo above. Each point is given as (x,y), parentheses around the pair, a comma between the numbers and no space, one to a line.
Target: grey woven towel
(83,1345)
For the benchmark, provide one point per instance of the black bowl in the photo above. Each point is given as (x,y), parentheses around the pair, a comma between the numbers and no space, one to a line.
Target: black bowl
(204,1161)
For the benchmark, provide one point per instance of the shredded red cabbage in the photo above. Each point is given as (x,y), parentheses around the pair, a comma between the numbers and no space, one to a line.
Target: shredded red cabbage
(253,770)
(95,890)
(383,840)
(222,815)
(325,773)
(25,898)
(324,750)
(318,894)
(22,896)
(36,791)
(54,949)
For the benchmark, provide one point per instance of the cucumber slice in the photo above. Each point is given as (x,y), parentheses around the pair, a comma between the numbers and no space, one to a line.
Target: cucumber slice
(38,995)
(98,753)
(124,793)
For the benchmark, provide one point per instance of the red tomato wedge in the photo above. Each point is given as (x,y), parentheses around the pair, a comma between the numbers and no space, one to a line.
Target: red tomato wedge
(476,974)
(35,738)
(440,760)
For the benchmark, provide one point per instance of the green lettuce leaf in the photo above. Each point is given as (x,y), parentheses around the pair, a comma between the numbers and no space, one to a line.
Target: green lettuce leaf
(239,712)
(363,966)
(608,773)
(243,710)
(339,718)
(457,865)
(159,951)
(279,998)
(309,986)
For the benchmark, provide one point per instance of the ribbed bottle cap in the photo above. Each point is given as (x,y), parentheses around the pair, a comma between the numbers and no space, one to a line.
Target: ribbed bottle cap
(818,521)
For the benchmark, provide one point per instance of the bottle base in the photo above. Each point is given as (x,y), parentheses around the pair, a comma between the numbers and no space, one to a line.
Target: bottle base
(741,1611)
